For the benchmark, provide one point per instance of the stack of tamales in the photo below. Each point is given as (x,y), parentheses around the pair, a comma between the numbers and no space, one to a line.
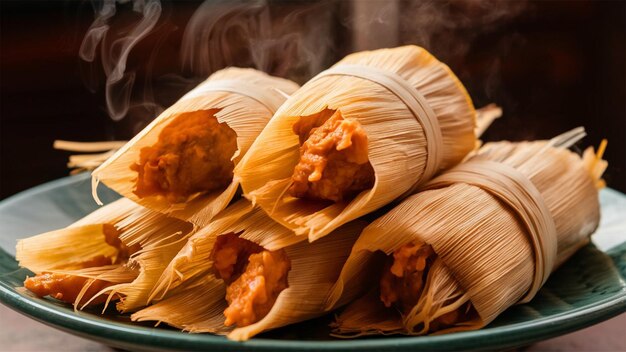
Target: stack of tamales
(364,188)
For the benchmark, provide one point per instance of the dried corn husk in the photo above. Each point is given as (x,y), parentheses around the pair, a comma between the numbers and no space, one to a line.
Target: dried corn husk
(63,251)
(246,98)
(87,162)
(417,116)
(68,248)
(160,238)
(197,306)
(314,269)
(191,262)
(483,239)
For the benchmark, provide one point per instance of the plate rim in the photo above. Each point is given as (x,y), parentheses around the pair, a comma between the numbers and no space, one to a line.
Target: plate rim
(126,335)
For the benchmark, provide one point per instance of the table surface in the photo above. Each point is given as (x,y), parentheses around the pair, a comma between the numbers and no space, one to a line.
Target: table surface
(19,333)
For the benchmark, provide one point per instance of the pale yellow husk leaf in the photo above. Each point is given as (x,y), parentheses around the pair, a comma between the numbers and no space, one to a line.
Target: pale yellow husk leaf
(314,269)
(243,114)
(196,308)
(240,218)
(67,248)
(485,253)
(161,238)
(369,316)
(396,141)
(64,250)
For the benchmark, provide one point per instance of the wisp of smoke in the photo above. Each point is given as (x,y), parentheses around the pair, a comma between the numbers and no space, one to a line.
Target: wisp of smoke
(289,39)
(218,34)
(114,55)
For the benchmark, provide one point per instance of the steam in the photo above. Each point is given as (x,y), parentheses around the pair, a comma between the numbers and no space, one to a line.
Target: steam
(114,55)
(246,33)
(375,24)
(450,27)
(295,40)
(217,35)
(214,28)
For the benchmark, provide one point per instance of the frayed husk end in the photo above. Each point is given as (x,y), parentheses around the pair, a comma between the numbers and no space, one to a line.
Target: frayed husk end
(484,276)
(315,267)
(243,114)
(311,219)
(80,242)
(367,316)
(151,262)
(485,116)
(114,274)
(595,165)
(442,294)
(87,162)
(197,308)
(396,142)
(63,249)
(160,238)
(193,258)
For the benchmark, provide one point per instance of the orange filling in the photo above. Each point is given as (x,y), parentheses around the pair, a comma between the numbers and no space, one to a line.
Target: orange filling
(193,155)
(334,163)
(66,287)
(255,277)
(404,277)
(230,255)
(403,280)
(112,238)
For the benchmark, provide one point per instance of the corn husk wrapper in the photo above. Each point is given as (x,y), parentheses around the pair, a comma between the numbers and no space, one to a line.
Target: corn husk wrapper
(160,238)
(246,98)
(398,146)
(63,251)
(67,248)
(484,250)
(195,306)
(196,297)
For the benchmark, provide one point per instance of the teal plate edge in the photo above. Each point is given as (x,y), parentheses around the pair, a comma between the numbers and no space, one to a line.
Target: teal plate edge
(135,337)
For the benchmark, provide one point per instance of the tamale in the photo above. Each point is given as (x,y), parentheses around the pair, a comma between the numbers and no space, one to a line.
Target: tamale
(182,163)
(357,136)
(476,240)
(235,276)
(117,251)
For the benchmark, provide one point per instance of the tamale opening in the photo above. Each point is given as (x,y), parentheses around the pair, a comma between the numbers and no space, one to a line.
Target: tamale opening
(255,277)
(415,294)
(483,259)
(358,136)
(182,163)
(405,282)
(70,288)
(192,156)
(334,163)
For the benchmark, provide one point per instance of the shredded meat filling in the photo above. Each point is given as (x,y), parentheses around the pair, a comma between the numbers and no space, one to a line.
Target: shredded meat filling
(193,155)
(255,277)
(403,281)
(67,287)
(334,163)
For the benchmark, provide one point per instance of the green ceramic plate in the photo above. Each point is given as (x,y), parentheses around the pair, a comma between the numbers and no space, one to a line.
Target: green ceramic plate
(588,289)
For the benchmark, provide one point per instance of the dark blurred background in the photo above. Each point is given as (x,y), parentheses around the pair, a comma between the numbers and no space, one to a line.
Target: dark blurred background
(91,71)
